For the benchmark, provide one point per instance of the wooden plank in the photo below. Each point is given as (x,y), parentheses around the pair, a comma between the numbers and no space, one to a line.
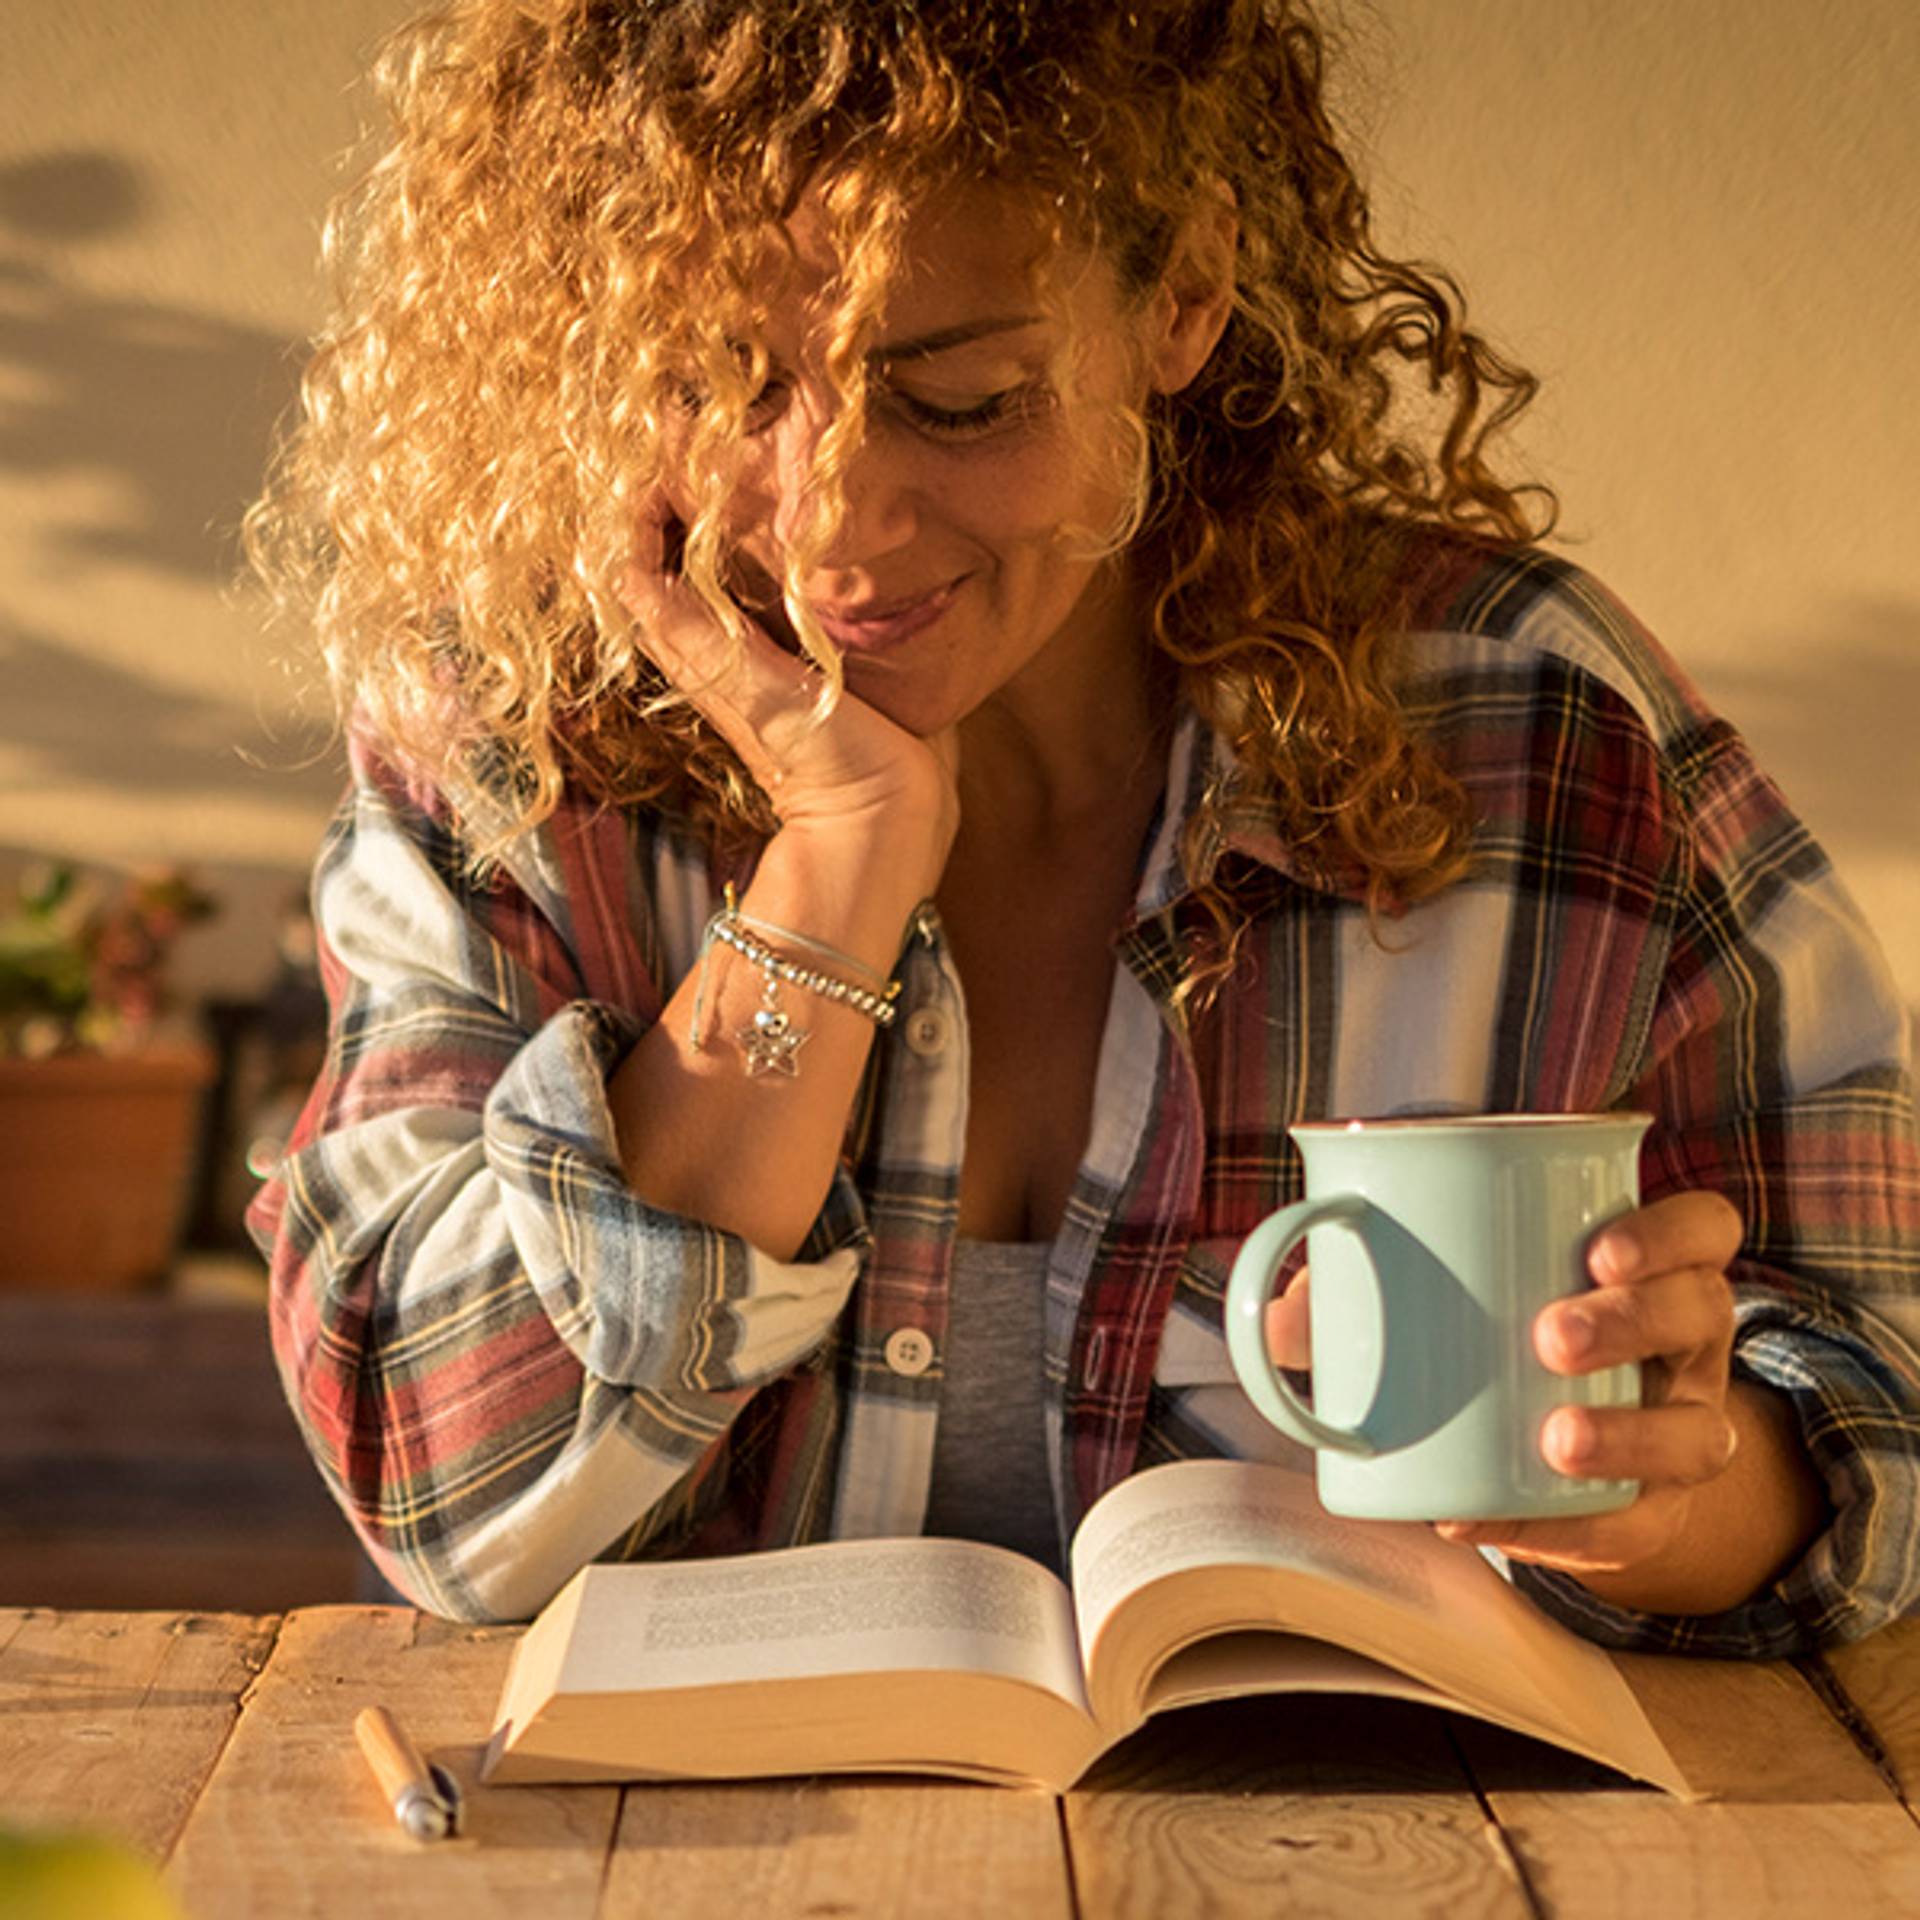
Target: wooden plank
(1316,1805)
(1800,1821)
(844,1848)
(113,1722)
(1879,1679)
(291,1823)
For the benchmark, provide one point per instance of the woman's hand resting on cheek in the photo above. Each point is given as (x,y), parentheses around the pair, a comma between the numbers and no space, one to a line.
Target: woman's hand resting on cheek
(1728,1498)
(856,770)
(867,813)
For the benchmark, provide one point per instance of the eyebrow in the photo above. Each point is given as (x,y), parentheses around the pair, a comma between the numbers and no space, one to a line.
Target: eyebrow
(925,345)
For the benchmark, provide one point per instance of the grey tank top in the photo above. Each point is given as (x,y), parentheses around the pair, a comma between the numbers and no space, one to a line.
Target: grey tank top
(991,1480)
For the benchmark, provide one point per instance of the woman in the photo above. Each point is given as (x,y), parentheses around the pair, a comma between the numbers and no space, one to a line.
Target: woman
(935,656)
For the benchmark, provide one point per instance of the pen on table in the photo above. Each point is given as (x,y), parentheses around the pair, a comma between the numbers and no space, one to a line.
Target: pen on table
(425,1798)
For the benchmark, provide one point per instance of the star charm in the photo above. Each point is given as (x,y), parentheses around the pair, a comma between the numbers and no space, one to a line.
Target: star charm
(771,1043)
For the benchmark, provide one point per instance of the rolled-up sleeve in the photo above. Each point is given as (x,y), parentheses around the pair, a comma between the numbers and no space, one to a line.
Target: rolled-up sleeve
(1778,1068)
(501,1358)
(1858,1410)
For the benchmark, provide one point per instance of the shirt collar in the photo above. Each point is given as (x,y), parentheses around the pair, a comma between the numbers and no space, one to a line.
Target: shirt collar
(1246,822)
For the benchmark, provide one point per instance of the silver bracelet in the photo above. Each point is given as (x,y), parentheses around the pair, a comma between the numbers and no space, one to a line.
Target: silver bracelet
(772,1041)
(788,937)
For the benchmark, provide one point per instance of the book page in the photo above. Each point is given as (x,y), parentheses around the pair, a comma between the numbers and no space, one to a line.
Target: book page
(1203,1513)
(1233,1665)
(1210,1546)
(851,1606)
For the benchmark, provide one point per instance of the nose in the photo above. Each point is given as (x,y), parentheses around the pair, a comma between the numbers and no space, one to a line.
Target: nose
(880,516)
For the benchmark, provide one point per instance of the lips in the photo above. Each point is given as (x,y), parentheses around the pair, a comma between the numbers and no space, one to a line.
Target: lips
(871,626)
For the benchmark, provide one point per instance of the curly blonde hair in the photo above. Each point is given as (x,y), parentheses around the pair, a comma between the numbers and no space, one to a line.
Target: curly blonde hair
(572,214)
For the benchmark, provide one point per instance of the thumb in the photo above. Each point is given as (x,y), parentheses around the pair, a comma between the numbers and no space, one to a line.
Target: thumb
(1287,1324)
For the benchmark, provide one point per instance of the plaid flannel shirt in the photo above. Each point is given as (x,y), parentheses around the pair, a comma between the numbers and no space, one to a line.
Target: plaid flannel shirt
(507,1364)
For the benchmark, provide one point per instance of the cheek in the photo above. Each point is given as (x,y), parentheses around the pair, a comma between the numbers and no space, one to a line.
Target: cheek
(1028,498)
(1019,499)
(749,523)
(1076,482)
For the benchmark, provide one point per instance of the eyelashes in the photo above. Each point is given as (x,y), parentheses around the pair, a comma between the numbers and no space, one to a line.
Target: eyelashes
(940,423)
(767,406)
(960,423)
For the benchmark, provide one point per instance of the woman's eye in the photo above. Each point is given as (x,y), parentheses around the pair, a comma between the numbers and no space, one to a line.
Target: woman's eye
(762,411)
(767,406)
(960,421)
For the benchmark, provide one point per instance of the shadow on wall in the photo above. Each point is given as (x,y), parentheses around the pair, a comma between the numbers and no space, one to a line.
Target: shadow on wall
(174,406)
(74,714)
(1832,711)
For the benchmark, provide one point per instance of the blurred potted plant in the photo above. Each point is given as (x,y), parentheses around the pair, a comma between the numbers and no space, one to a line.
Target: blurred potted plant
(99,1089)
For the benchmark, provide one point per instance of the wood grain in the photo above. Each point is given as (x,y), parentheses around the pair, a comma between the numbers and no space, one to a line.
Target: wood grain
(840,1849)
(114,1721)
(292,1824)
(228,1742)
(1319,1805)
(1879,1678)
(1799,1822)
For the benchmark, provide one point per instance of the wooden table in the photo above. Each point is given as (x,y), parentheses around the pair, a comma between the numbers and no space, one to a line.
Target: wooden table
(221,1745)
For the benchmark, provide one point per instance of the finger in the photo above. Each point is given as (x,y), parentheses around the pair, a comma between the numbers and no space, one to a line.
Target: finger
(1682,1444)
(1671,1316)
(1289,1342)
(656,535)
(678,629)
(751,689)
(1694,1229)
(1598,1543)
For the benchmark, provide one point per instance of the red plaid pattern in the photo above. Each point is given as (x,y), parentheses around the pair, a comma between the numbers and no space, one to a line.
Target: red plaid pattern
(506,1364)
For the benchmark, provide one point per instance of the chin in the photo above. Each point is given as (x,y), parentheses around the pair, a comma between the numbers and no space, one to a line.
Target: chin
(919,709)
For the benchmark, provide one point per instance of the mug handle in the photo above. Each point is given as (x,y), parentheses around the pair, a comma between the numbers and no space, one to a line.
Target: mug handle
(1249,1291)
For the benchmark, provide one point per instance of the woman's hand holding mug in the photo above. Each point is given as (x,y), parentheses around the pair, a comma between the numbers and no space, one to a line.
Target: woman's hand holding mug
(1435,1245)
(1660,1299)
(1685,1528)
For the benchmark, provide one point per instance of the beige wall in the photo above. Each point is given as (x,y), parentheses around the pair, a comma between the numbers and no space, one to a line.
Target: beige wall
(163,169)
(1698,220)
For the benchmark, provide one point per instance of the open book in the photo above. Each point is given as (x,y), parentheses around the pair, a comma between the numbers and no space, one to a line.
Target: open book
(1197,1581)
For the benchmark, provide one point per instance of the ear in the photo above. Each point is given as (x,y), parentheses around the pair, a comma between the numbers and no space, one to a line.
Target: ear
(1194,300)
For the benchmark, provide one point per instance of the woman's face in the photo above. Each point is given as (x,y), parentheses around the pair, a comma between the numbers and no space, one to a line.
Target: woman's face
(988,471)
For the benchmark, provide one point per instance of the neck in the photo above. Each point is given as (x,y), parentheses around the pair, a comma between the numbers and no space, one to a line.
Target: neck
(1079,730)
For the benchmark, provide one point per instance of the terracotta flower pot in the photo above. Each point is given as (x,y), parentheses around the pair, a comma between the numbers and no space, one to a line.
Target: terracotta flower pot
(95,1156)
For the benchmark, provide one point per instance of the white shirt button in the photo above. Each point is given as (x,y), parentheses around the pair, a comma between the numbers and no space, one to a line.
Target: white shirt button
(909,1351)
(928,1030)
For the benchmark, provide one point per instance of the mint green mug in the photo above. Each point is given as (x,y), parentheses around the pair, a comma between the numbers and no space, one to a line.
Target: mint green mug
(1433,1243)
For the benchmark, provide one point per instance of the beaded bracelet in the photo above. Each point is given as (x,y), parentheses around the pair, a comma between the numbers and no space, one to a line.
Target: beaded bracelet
(772,1041)
(732,915)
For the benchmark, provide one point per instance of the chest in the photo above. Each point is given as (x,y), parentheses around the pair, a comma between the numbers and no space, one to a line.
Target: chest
(1034,952)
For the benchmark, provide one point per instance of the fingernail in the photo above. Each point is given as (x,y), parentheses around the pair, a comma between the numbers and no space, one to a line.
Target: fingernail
(1569,1440)
(1577,1332)
(1619,1250)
